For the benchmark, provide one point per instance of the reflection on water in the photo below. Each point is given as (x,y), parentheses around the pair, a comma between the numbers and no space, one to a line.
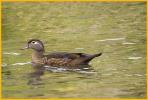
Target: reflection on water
(115,29)
(35,76)
(39,70)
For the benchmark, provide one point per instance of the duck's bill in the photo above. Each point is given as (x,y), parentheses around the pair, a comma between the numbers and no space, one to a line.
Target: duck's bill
(26,47)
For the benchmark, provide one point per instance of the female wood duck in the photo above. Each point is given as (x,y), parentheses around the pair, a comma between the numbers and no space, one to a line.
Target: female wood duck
(57,59)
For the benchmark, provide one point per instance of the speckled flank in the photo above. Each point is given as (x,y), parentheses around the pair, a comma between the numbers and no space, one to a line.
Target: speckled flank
(59,62)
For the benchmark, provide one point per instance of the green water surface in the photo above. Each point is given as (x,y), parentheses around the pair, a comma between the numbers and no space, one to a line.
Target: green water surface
(116,29)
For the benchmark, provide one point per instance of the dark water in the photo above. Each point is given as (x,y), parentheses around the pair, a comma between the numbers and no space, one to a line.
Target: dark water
(118,30)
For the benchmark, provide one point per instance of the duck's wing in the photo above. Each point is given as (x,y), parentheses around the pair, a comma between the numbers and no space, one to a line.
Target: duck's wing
(65,55)
(75,58)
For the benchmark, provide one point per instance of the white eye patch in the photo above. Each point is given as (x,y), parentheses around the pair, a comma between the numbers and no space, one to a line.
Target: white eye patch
(34,42)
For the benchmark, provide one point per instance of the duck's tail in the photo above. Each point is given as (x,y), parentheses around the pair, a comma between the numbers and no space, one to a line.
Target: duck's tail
(90,57)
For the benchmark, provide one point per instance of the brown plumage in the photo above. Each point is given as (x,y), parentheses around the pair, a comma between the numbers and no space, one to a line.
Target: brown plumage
(58,59)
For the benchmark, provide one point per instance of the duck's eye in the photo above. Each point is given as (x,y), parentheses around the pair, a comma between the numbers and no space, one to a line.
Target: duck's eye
(33,42)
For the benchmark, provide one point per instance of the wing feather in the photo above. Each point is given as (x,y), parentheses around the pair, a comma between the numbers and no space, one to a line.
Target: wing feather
(64,55)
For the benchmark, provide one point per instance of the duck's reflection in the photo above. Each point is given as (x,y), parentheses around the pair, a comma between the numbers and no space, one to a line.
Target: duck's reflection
(38,71)
(35,76)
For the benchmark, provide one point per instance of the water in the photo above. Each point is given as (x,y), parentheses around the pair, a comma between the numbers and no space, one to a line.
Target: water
(118,30)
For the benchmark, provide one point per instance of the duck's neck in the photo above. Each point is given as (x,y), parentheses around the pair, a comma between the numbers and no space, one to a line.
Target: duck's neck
(36,55)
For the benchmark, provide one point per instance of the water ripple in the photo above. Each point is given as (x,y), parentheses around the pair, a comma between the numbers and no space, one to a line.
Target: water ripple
(11,53)
(79,48)
(85,70)
(110,39)
(128,43)
(134,58)
(4,65)
(15,64)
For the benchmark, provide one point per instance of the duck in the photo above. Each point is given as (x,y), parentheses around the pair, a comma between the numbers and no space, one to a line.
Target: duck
(57,59)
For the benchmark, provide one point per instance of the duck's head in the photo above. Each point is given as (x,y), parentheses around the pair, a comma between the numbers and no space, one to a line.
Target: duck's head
(35,44)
